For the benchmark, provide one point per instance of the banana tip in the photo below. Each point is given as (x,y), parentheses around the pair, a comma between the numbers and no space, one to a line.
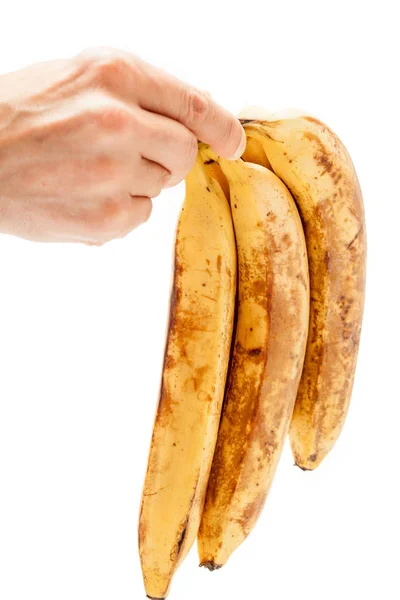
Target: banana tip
(210,565)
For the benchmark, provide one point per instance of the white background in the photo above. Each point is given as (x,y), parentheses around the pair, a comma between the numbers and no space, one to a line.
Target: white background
(82,329)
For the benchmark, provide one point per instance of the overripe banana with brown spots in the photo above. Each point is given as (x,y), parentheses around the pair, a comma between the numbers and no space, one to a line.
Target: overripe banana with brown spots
(267,359)
(193,381)
(310,159)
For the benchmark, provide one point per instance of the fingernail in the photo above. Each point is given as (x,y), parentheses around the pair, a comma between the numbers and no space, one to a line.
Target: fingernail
(240,148)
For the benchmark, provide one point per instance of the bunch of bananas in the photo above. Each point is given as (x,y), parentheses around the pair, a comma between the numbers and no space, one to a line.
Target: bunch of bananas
(264,327)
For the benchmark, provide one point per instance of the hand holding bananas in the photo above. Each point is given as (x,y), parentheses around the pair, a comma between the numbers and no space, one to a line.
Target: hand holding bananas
(86,143)
(265,318)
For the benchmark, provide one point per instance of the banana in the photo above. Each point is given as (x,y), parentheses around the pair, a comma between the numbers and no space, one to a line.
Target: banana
(310,159)
(267,358)
(193,381)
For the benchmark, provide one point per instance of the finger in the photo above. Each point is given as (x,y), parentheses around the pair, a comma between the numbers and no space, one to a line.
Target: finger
(150,178)
(169,144)
(118,217)
(135,212)
(166,95)
(141,207)
(161,93)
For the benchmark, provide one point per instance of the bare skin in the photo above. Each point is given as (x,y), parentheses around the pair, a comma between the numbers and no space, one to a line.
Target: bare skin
(86,143)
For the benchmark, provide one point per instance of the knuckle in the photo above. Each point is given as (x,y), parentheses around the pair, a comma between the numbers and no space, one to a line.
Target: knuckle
(117,217)
(160,181)
(157,191)
(108,71)
(189,151)
(147,210)
(154,188)
(106,66)
(134,216)
(155,181)
(113,117)
(103,221)
(194,106)
(165,177)
(109,217)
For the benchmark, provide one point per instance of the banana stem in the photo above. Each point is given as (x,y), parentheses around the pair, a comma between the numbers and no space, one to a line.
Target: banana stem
(207,154)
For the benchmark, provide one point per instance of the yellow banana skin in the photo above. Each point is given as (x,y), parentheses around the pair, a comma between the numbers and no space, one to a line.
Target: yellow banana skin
(318,171)
(193,381)
(267,358)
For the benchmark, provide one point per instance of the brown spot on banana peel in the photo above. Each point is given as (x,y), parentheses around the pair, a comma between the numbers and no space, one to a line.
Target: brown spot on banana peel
(255,351)
(181,540)
(301,278)
(321,126)
(245,390)
(314,120)
(327,260)
(165,401)
(252,510)
(259,288)
(286,241)
(323,161)
(350,244)
(323,157)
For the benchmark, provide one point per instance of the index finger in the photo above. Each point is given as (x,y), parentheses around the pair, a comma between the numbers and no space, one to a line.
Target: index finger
(211,123)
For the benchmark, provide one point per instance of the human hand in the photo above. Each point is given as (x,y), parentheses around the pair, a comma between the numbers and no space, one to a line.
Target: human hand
(86,143)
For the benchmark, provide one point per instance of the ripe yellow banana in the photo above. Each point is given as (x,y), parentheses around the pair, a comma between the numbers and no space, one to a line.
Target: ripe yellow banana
(193,381)
(309,158)
(267,359)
